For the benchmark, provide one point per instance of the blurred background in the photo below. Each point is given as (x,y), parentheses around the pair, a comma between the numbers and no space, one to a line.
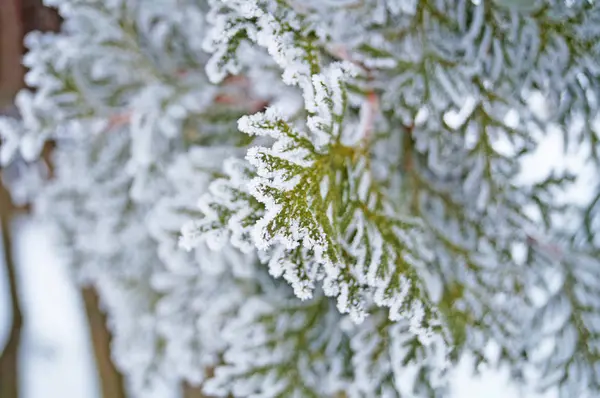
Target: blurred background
(53,338)
(49,330)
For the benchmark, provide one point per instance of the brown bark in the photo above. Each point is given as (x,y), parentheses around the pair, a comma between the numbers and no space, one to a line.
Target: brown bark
(9,357)
(111,380)
(38,17)
(11,77)
(192,392)
(11,49)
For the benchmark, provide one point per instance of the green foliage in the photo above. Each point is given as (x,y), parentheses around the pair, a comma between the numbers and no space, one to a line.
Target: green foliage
(375,155)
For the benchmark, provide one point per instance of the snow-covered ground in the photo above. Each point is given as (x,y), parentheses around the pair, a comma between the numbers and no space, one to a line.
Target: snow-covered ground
(57,357)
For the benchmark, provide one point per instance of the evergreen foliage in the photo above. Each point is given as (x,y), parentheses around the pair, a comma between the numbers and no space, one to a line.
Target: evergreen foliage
(324,198)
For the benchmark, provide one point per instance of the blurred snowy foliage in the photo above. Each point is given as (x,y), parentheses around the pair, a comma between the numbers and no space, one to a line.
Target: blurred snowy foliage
(322,198)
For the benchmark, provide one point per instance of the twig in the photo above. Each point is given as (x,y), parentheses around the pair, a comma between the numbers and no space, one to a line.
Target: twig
(368,112)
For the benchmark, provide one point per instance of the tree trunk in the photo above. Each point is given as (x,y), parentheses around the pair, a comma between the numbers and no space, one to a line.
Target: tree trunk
(111,380)
(11,77)
(11,50)
(9,358)
(192,392)
(36,16)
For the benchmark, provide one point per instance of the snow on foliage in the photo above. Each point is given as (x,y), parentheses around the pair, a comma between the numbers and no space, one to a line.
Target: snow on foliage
(321,198)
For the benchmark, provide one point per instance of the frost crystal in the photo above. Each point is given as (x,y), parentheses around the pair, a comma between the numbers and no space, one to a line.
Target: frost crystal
(323,198)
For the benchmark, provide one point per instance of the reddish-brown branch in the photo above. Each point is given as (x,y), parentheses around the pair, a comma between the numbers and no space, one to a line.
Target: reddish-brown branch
(118,120)
(239,98)
(369,113)
(550,249)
